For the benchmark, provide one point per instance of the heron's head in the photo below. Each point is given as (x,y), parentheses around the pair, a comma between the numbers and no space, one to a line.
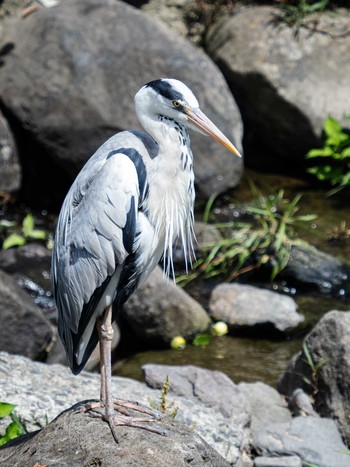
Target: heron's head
(173,99)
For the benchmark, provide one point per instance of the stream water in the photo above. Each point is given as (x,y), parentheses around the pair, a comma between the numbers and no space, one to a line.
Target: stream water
(261,359)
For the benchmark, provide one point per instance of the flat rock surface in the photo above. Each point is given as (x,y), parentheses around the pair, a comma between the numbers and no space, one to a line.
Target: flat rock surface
(316,440)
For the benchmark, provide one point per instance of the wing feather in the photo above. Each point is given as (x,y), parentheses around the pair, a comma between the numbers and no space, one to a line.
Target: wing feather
(89,237)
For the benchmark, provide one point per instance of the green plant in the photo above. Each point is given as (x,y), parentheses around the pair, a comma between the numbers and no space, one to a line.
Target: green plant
(163,406)
(334,156)
(28,232)
(247,245)
(314,367)
(295,13)
(15,427)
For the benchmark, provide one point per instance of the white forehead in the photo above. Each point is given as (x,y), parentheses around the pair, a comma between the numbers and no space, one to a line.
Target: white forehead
(188,95)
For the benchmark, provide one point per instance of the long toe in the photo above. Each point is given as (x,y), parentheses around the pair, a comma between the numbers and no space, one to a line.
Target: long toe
(121,404)
(116,420)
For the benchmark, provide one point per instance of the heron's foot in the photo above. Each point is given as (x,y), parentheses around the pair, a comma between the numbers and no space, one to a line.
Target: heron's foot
(125,406)
(91,407)
(116,420)
(123,415)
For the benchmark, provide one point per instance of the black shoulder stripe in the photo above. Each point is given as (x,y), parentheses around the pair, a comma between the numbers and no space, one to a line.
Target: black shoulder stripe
(150,144)
(136,158)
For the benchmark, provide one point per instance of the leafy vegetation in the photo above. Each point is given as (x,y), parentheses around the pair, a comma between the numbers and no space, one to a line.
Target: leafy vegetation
(19,237)
(265,239)
(15,427)
(314,368)
(333,157)
(164,406)
(294,13)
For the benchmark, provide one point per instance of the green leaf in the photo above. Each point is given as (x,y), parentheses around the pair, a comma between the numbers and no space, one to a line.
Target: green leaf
(28,225)
(308,357)
(318,6)
(208,207)
(13,240)
(6,409)
(38,235)
(332,127)
(6,224)
(306,218)
(202,340)
(12,431)
(345,152)
(323,152)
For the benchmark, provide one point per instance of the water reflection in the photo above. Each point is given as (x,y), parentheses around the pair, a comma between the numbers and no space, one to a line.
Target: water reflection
(241,359)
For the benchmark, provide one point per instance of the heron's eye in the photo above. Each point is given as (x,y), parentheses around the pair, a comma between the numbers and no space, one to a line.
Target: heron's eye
(176,104)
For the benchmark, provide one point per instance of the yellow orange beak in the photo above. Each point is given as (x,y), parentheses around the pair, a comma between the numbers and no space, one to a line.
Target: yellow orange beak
(205,125)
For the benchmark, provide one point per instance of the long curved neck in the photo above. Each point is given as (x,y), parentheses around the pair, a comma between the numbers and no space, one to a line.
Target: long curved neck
(171,196)
(165,131)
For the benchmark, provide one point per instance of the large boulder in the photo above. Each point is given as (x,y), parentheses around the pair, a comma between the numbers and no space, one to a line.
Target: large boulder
(69,83)
(89,442)
(322,369)
(310,268)
(286,81)
(24,329)
(10,169)
(251,310)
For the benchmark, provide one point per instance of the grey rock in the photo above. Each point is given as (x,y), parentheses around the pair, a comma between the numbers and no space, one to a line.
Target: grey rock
(76,439)
(328,344)
(300,404)
(246,308)
(313,268)
(170,13)
(42,392)
(30,266)
(25,259)
(212,388)
(10,168)
(314,440)
(286,82)
(24,329)
(283,461)
(159,311)
(267,405)
(80,88)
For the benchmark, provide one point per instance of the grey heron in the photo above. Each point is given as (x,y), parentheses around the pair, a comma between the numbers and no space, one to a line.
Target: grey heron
(126,207)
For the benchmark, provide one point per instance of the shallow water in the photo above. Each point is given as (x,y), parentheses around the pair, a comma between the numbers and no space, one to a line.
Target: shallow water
(260,359)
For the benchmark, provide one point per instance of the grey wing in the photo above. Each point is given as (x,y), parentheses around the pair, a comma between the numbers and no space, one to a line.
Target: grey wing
(95,230)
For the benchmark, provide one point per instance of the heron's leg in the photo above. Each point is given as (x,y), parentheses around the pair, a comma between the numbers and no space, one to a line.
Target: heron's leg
(106,336)
(123,418)
(102,364)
